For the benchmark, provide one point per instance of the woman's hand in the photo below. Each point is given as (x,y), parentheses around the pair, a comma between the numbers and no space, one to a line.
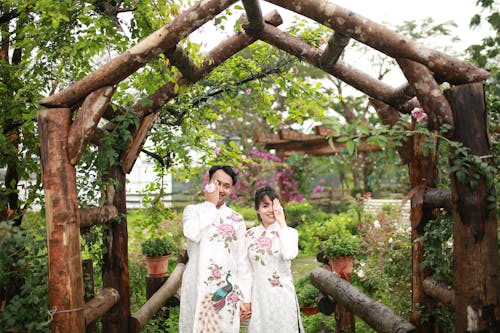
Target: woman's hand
(279,213)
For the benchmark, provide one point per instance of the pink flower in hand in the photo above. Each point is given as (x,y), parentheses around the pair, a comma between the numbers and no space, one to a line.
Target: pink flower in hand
(210,188)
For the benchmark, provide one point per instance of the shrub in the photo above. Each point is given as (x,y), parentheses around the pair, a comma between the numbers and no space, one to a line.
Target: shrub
(307,294)
(157,247)
(341,246)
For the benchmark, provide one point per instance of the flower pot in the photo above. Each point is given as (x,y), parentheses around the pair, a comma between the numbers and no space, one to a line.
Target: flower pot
(157,266)
(342,265)
(309,310)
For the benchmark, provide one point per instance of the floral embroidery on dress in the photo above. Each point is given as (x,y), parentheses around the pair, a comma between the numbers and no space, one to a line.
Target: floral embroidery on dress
(275,280)
(226,233)
(262,245)
(215,273)
(235,217)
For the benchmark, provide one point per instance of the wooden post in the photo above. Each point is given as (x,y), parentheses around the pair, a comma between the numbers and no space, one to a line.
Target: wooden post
(115,266)
(422,172)
(63,228)
(153,283)
(344,320)
(477,265)
(88,279)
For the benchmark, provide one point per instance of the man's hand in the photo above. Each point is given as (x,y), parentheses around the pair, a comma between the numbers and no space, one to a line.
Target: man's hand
(211,193)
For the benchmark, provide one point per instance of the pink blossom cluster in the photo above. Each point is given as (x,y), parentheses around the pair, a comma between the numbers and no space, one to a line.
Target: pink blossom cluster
(419,115)
(265,156)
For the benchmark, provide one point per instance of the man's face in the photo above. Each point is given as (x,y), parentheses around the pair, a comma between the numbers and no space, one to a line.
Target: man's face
(225,184)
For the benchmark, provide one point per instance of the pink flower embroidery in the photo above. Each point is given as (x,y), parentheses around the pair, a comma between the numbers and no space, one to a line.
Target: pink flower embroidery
(216,273)
(264,242)
(225,229)
(233,298)
(275,282)
(235,217)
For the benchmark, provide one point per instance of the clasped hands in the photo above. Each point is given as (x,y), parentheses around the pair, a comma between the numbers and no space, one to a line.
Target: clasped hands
(245,311)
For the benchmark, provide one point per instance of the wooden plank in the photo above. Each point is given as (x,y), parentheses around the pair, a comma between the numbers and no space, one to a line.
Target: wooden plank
(393,44)
(88,281)
(86,121)
(65,278)
(475,240)
(437,198)
(131,60)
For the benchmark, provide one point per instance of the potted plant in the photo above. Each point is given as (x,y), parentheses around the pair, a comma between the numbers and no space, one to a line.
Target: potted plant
(307,296)
(157,251)
(341,249)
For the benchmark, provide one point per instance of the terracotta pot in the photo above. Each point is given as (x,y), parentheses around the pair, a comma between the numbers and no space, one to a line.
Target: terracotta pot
(157,266)
(309,310)
(342,265)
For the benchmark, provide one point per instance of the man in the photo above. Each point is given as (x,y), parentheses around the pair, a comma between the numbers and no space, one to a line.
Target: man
(213,283)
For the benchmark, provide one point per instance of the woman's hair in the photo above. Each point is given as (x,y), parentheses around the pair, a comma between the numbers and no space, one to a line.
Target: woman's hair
(226,168)
(262,192)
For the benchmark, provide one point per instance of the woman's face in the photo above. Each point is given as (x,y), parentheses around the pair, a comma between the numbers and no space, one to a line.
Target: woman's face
(266,212)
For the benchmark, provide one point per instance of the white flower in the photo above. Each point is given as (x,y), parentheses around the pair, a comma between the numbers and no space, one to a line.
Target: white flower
(390,240)
(360,273)
(376,224)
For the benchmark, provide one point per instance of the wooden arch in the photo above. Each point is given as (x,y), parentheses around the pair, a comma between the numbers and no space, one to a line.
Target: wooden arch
(63,140)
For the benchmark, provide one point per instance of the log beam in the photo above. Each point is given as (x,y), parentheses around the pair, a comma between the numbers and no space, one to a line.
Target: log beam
(378,316)
(90,216)
(349,74)
(428,93)
(135,145)
(254,16)
(393,44)
(86,121)
(65,278)
(438,198)
(440,293)
(99,305)
(334,48)
(169,288)
(131,60)
(179,58)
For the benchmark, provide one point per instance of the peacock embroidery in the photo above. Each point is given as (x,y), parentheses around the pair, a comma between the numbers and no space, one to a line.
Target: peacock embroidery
(219,296)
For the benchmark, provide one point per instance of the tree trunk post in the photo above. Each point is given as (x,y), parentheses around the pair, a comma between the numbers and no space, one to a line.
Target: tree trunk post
(477,265)
(115,267)
(63,228)
(422,172)
(88,280)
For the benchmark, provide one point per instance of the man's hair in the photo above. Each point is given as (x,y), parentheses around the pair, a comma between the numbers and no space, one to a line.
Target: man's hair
(226,168)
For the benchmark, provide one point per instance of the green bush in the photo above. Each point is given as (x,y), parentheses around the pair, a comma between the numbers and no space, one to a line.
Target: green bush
(304,212)
(313,234)
(341,246)
(307,294)
(157,247)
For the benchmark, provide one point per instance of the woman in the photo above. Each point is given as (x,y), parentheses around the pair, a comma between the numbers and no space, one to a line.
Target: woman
(271,246)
